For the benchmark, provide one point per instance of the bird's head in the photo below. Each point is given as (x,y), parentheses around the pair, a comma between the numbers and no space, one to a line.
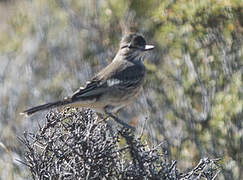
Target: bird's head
(134,45)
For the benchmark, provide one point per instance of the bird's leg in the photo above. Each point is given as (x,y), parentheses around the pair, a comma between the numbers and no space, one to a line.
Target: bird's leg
(101,117)
(118,120)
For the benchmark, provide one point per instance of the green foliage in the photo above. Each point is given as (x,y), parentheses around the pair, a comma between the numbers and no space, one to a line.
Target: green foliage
(202,41)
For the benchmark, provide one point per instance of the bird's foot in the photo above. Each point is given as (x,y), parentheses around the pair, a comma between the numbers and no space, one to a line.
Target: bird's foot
(120,121)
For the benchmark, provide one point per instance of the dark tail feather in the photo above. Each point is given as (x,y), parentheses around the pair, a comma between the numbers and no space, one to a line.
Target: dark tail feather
(46,106)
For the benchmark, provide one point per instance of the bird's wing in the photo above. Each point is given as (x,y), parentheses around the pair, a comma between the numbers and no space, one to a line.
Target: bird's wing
(92,89)
(117,75)
(125,75)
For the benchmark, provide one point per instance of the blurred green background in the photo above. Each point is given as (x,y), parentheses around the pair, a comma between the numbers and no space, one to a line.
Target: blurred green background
(193,94)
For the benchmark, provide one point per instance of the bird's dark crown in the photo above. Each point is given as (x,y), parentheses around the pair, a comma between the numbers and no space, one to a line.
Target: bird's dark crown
(133,40)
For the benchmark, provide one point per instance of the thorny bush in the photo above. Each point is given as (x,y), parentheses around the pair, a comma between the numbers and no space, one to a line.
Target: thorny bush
(76,144)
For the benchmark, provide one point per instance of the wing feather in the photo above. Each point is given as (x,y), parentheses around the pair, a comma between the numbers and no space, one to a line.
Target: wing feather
(118,75)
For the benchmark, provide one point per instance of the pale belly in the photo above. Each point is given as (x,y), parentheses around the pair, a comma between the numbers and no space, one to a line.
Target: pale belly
(114,100)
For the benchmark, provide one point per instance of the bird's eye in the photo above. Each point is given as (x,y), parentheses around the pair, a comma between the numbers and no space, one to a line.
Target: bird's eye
(124,46)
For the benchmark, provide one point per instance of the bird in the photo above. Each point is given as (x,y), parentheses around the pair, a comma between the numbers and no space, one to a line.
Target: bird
(115,86)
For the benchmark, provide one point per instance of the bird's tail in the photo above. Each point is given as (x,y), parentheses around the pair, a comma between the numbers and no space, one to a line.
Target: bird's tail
(46,106)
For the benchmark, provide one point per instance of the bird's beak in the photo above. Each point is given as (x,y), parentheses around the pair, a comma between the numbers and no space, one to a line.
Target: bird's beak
(148,47)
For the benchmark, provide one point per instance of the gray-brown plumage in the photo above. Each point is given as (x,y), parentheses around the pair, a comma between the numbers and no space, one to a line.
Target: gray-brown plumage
(114,87)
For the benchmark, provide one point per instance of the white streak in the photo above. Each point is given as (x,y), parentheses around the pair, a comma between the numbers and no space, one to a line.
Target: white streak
(112,82)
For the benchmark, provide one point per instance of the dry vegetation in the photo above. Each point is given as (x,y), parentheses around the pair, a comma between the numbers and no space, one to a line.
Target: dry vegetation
(75,144)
